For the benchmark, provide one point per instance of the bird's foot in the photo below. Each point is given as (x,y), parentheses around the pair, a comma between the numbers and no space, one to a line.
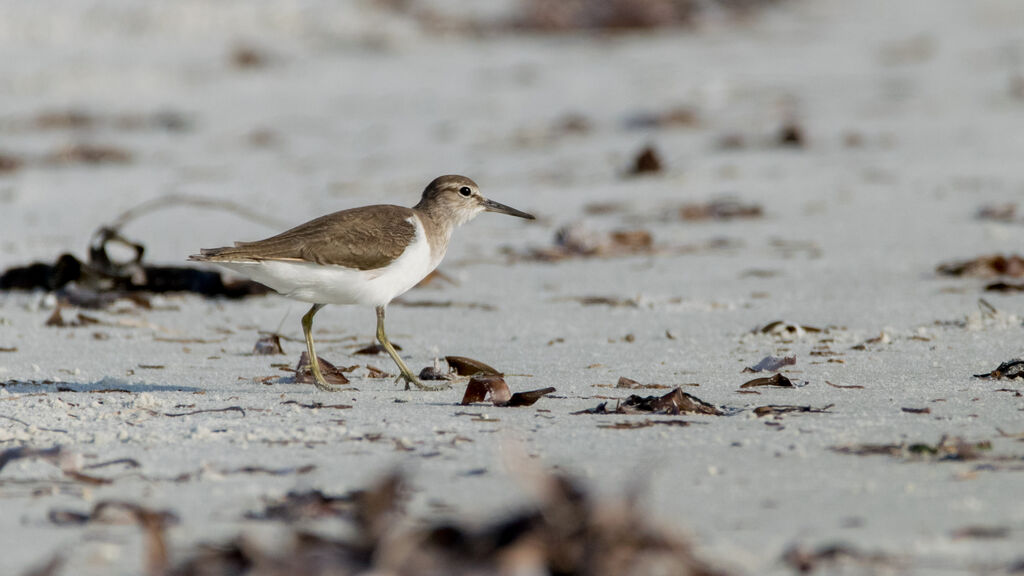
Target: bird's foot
(326,386)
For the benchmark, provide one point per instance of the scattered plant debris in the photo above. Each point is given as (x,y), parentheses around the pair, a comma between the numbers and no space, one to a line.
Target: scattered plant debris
(720,209)
(635,424)
(568,532)
(832,557)
(777,380)
(89,154)
(948,448)
(238,409)
(924,410)
(648,161)
(311,505)
(678,117)
(112,512)
(484,386)
(780,409)
(791,135)
(985,266)
(331,373)
(375,349)
(317,405)
(268,345)
(469,367)
(1004,287)
(786,331)
(675,402)
(630,384)
(248,57)
(57,320)
(374,372)
(1010,370)
(981,533)
(998,212)
(9,163)
(771,364)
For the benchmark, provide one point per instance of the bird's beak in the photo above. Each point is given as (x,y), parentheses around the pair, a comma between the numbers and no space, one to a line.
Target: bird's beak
(492,206)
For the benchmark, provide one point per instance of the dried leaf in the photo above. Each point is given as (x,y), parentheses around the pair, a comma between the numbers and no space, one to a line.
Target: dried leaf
(487,386)
(720,209)
(528,398)
(925,410)
(675,402)
(776,380)
(469,367)
(304,375)
(375,348)
(374,372)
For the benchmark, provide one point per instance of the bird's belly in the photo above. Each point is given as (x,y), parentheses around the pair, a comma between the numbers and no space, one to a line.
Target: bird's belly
(328,284)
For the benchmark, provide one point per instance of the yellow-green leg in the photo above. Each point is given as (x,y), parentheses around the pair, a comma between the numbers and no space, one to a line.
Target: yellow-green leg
(314,362)
(406,375)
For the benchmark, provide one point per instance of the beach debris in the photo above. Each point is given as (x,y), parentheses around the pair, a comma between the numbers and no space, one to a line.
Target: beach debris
(772,364)
(57,320)
(630,384)
(833,556)
(1011,265)
(304,374)
(924,410)
(434,372)
(569,531)
(268,344)
(10,163)
(947,448)
(248,57)
(238,409)
(484,386)
(464,366)
(1004,287)
(882,338)
(674,403)
(979,532)
(78,119)
(777,380)
(1010,370)
(791,135)
(778,410)
(647,161)
(998,212)
(308,505)
(786,331)
(374,372)
(637,424)
(676,117)
(720,209)
(154,524)
(83,153)
(316,405)
(375,348)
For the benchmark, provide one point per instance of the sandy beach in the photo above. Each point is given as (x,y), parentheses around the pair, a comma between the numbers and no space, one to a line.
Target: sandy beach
(817,162)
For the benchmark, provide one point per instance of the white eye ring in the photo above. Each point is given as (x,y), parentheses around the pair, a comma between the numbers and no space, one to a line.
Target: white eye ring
(466,191)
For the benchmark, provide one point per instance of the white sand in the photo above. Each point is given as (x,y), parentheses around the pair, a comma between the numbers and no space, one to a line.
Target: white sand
(366,107)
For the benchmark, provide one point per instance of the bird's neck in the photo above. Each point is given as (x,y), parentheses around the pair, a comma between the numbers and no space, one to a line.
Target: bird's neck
(438,229)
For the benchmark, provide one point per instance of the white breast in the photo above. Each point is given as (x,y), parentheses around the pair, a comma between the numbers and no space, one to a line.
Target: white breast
(320,284)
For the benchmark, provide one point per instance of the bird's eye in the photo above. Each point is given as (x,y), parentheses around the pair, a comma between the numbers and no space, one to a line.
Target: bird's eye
(465,191)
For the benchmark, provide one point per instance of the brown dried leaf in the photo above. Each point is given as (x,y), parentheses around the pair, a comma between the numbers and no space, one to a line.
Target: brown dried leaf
(776,380)
(634,424)
(464,366)
(925,410)
(375,348)
(89,154)
(374,372)
(528,398)
(675,402)
(483,386)
(720,209)
(304,375)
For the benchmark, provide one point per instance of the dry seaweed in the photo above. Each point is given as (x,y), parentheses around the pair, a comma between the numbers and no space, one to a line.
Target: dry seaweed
(331,373)
(484,386)
(637,424)
(569,532)
(675,402)
(947,448)
(314,504)
(832,556)
(1010,370)
(720,209)
(317,405)
(985,266)
(777,380)
(924,410)
(780,409)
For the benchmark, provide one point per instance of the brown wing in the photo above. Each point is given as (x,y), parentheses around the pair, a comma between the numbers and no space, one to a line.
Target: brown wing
(364,238)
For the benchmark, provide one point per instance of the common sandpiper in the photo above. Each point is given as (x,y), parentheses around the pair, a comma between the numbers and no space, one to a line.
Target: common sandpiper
(367,256)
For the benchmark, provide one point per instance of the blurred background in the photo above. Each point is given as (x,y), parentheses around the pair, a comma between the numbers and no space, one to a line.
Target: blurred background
(302,107)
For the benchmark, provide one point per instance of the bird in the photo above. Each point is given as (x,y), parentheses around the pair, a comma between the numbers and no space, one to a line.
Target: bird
(363,256)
